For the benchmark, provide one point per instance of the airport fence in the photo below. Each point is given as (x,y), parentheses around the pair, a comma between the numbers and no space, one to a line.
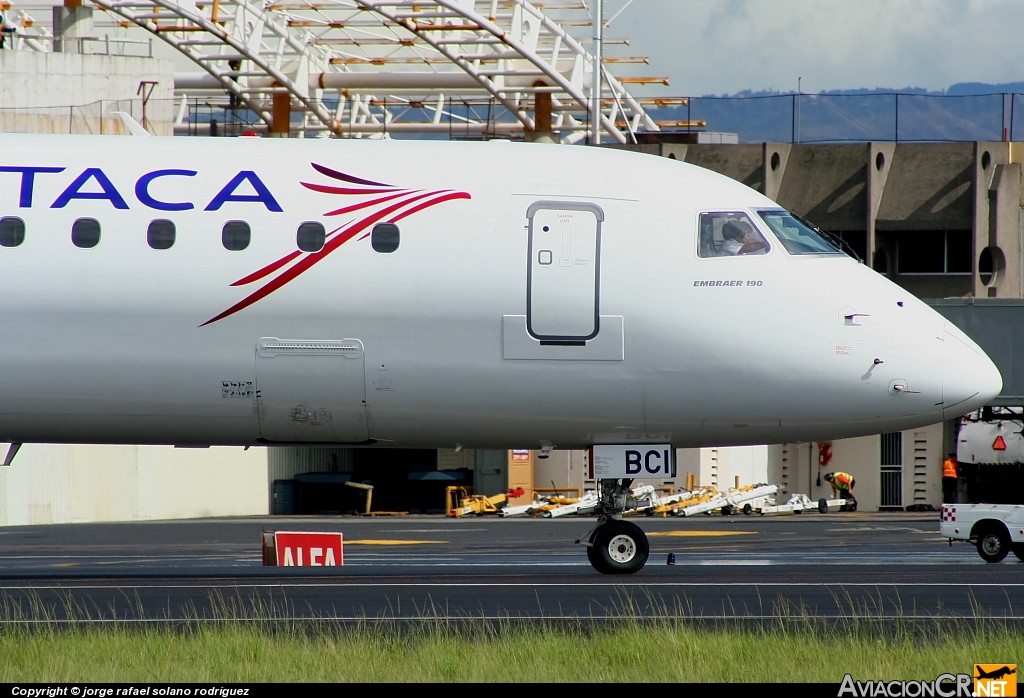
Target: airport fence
(783,118)
(835,118)
(99,117)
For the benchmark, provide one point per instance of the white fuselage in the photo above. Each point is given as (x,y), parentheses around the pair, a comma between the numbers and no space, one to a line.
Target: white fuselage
(538,294)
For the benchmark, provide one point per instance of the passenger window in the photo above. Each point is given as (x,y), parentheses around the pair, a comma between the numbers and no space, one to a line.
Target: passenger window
(85,233)
(729,233)
(160,234)
(12,231)
(384,237)
(311,236)
(236,235)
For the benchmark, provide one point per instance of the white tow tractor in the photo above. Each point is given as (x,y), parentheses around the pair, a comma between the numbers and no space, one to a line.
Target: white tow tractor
(799,503)
(728,502)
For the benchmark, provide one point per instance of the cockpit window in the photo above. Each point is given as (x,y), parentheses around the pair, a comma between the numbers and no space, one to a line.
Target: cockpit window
(796,236)
(728,233)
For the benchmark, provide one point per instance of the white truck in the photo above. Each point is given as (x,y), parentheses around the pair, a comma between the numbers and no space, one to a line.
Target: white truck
(996,529)
(990,456)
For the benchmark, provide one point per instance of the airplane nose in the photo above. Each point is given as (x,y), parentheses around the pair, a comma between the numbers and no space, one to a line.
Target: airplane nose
(969,378)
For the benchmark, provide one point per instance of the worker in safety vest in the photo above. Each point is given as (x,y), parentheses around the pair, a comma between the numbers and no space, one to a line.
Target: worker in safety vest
(842,484)
(6,27)
(949,476)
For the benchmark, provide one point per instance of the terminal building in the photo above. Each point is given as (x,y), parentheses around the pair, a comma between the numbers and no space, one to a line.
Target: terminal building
(942,220)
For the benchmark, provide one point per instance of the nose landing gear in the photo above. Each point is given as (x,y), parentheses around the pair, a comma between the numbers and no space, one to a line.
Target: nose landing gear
(615,546)
(618,547)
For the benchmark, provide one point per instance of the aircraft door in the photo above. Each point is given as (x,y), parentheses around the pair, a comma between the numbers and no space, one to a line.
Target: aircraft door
(311,390)
(563,270)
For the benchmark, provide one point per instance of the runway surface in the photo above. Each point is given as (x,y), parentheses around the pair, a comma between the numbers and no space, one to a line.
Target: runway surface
(859,565)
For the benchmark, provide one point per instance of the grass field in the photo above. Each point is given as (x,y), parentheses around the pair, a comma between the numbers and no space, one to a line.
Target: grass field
(265,648)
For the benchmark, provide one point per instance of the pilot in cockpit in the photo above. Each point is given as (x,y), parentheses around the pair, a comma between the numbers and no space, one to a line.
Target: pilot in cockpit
(739,238)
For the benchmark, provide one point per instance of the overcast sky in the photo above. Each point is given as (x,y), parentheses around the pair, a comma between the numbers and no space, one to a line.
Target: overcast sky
(708,47)
(724,46)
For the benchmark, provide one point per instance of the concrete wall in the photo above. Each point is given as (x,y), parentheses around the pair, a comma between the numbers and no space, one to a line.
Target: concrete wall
(733,466)
(73,93)
(998,228)
(73,484)
(561,470)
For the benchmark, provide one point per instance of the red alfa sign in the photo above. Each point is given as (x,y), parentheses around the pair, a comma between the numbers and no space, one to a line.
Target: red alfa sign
(305,549)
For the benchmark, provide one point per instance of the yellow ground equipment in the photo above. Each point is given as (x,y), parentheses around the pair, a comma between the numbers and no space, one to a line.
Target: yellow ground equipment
(727,502)
(478,504)
(366,488)
(669,503)
(560,506)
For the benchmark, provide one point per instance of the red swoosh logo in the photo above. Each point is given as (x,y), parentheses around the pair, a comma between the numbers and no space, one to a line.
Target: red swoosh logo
(373,201)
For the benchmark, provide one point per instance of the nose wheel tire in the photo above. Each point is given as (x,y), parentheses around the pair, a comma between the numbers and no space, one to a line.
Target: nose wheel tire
(618,547)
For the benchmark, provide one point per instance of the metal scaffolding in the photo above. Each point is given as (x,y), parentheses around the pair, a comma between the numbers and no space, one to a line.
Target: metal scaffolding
(364,68)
